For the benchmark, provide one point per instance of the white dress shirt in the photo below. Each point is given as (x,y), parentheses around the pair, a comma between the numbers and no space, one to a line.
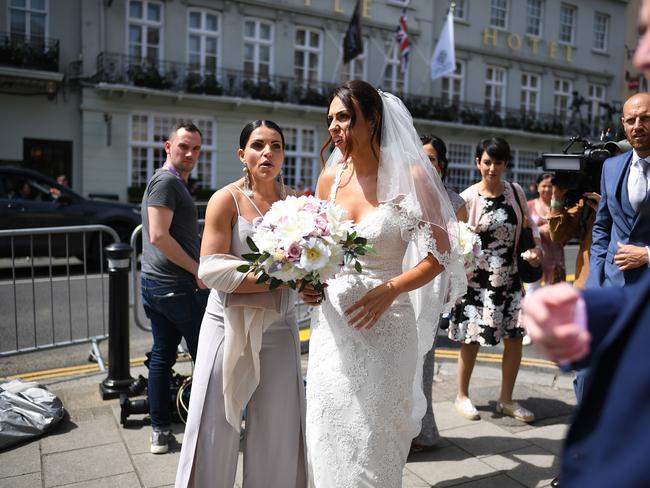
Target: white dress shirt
(638,171)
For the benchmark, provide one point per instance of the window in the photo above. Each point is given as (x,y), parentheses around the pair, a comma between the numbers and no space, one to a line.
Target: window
(530,86)
(460,12)
(258,42)
(453,86)
(462,170)
(595,96)
(601,30)
(145,30)
(148,133)
(357,68)
(393,80)
(301,162)
(499,14)
(534,16)
(562,97)
(204,27)
(495,89)
(28,19)
(524,170)
(307,55)
(567,23)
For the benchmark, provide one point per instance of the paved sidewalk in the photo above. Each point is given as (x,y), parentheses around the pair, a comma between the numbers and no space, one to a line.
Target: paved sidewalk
(92,450)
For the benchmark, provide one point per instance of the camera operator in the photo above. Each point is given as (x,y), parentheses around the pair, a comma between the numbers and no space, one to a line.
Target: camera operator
(566,222)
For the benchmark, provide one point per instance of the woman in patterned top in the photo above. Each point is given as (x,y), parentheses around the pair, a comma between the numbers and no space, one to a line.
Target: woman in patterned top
(490,310)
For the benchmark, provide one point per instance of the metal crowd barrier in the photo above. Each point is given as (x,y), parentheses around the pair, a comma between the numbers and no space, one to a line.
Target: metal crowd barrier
(303,310)
(44,309)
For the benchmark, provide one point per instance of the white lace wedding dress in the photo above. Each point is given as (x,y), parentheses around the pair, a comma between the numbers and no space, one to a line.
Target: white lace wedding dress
(360,382)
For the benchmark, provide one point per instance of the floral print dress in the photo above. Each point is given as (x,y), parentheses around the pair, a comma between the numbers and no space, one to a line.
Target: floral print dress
(490,309)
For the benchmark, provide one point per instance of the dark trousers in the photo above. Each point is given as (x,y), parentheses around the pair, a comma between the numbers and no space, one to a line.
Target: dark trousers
(176,311)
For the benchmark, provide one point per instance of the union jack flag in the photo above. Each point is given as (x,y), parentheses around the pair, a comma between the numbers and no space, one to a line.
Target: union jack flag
(402,37)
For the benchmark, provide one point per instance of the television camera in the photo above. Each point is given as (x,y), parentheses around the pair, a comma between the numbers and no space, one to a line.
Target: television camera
(578,172)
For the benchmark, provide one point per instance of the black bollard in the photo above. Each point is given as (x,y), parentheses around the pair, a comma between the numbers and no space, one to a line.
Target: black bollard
(119,378)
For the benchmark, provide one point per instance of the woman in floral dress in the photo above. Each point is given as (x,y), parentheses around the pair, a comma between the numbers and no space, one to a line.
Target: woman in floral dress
(490,310)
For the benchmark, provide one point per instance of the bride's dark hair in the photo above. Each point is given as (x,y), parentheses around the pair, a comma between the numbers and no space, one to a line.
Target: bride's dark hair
(369,103)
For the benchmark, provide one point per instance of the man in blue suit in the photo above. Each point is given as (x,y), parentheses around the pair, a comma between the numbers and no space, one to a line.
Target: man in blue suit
(620,252)
(609,439)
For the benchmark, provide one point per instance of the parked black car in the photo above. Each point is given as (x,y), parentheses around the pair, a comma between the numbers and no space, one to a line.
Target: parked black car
(31,199)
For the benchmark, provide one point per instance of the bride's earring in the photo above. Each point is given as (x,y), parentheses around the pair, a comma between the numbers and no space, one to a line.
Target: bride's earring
(248,189)
(283,189)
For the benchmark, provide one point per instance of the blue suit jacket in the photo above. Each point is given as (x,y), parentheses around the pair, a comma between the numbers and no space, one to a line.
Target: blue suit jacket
(609,440)
(616,221)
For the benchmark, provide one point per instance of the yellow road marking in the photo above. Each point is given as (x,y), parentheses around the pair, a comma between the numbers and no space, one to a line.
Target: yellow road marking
(304,337)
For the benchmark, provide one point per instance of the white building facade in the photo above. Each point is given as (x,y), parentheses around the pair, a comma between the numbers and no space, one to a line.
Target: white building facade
(112,76)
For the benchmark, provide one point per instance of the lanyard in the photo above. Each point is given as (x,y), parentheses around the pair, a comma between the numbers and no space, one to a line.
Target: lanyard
(174,171)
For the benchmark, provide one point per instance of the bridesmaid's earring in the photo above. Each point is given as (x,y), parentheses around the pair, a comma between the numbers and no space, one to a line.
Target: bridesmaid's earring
(248,189)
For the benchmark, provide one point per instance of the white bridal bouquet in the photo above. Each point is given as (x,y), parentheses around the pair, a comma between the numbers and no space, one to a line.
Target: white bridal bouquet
(303,240)
(470,246)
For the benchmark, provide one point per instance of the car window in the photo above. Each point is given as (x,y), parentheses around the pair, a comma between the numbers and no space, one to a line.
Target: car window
(19,187)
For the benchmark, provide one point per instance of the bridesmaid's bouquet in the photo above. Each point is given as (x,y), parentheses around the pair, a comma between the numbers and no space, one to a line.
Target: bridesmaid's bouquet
(470,246)
(303,240)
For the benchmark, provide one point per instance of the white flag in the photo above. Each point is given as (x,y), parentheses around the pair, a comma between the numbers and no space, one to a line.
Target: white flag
(443,61)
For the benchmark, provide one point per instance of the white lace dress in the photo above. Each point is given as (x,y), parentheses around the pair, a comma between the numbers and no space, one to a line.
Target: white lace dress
(360,382)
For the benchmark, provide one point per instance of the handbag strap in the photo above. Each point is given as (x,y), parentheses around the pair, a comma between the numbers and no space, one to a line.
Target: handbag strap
(521,209)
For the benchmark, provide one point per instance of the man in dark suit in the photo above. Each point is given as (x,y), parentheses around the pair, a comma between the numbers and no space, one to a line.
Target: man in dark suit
(620,252)
(609,439)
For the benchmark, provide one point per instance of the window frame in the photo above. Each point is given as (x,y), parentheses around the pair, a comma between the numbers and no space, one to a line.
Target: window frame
(28,13)
(145,25)
(594,110)
(300,155)
(530,171)
(540,19)
(605,34)
(461,170)
(203,35)
(569,97)
(257,41)
(527,90)
(392,60)
(307,49)
(150,145)
(494,83)
(505,10)
(574,9)
(457,75)
(461,6)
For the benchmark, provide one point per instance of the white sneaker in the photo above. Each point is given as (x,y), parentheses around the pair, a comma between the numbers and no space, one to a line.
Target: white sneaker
(527,341)
(160,441)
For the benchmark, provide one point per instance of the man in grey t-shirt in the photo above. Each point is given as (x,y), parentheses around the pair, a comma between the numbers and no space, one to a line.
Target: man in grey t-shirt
(171,291)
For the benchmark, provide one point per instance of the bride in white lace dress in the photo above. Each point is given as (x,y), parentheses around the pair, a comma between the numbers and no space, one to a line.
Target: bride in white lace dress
(368,337)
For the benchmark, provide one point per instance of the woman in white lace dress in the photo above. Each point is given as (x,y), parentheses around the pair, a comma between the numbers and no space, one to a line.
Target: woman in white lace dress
(364,398)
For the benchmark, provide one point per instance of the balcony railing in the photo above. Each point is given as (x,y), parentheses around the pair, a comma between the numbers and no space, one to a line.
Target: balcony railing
(29,52)
(181,77)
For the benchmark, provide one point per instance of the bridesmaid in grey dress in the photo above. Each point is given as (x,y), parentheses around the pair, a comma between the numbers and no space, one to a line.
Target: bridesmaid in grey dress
(435,148)
(273,444)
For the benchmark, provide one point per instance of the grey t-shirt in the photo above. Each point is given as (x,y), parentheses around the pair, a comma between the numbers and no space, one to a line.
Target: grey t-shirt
(167,190)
